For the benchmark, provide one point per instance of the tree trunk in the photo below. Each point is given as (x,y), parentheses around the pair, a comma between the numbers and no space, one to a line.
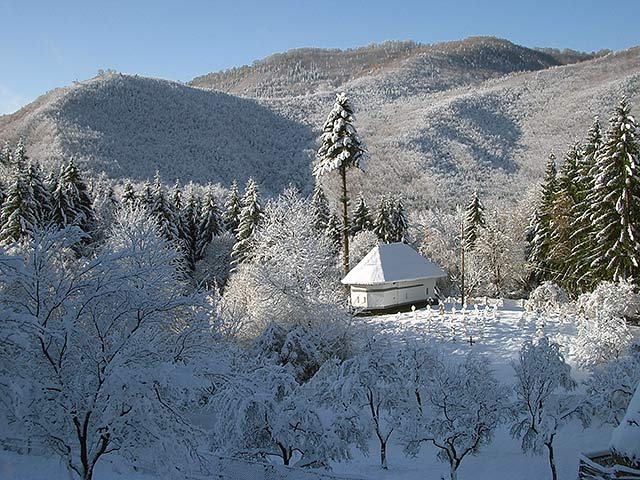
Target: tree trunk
(383,455)
(552,461)
(462,247)
(345,222)
(454,472)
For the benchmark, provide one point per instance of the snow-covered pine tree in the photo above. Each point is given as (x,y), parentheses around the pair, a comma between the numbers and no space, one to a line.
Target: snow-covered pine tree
(333,232)
(540,235)
(341,149)
(19,211)
(145,199)
(162,211)
(382,226)
(361,217)
(71,204)
(583,234)
(175,197)
(616,214)
(232,208)
(249,219)
(209,224)
(129,197)
(398,219)
(189,230)
(474,220)
(41,195)
(20,154)
(320,208)
(560,224)
(7,154)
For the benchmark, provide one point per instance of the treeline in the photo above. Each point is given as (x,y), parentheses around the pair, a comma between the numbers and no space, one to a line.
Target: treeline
(586,227)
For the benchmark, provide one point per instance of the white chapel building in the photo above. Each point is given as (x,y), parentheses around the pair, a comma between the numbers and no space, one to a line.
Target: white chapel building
(391,275)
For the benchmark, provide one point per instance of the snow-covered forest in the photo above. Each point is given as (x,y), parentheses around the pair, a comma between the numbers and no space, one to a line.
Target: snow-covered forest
(175,327)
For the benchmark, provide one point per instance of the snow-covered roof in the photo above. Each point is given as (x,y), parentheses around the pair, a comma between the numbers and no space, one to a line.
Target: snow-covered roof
(393,262)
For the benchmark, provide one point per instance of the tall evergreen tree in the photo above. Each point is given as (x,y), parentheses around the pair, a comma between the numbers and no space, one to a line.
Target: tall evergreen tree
(473,221)
(162,211)
(616,207)
(560,224)
(341,149)
(7,154)
(189,230)
(19,211)
(334,232)
(129,197)
(398,219)
(209,225)
(250,216)
(20,154)
(583,232)
(232,208)
(541,241)
(361,217)
(145,199)
(382,226)
(71,202)
(41,195)
(320,208)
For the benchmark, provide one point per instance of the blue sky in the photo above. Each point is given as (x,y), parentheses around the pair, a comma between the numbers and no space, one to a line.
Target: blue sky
(50,43)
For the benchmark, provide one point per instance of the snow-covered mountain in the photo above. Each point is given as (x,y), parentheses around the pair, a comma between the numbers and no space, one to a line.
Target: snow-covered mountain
(438,120)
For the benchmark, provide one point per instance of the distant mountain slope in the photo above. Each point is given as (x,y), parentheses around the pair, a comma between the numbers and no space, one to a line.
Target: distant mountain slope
(434,134)
(129,126)
(417,67)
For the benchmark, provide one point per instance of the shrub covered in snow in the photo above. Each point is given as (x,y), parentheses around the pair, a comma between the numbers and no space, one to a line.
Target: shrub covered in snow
(603,333)
(547,297)
(625,440)
(610,386)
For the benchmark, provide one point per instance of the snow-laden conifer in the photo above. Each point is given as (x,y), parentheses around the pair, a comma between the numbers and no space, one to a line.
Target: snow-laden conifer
(161,210)
(361,217)
(320,208)
(341,149)
(473,221)
(209,222)
(398,219)
(382,225)
(232,208)
(249,219)
(19,211)
(616,200)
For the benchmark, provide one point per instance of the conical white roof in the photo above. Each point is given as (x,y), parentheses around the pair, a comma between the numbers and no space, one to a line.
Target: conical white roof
(393,262)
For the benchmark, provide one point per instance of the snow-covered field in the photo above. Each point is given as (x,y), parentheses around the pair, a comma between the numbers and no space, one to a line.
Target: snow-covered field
(497,333)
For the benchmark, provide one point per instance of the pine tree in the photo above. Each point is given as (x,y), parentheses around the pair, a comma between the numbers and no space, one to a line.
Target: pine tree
(333,232)
(398,219)
(19,212)
(71,202)
(129,198)
(209,225)
(250,216)
(232,208)
(341,149)
(161,210)
(41,195)
(189,230)
(320,208)
(382,226)
(7,154)
(145,199)
(616,207)
(541,241)
(361,217)
(583,232)
(560,228)
(175,198)
(20,154)
(473,221)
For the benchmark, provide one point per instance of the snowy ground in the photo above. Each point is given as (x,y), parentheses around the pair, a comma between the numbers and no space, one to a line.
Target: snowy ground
(498,334)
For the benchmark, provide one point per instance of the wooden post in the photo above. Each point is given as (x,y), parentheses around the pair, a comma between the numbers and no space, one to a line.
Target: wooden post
(345,224)
(462,262)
